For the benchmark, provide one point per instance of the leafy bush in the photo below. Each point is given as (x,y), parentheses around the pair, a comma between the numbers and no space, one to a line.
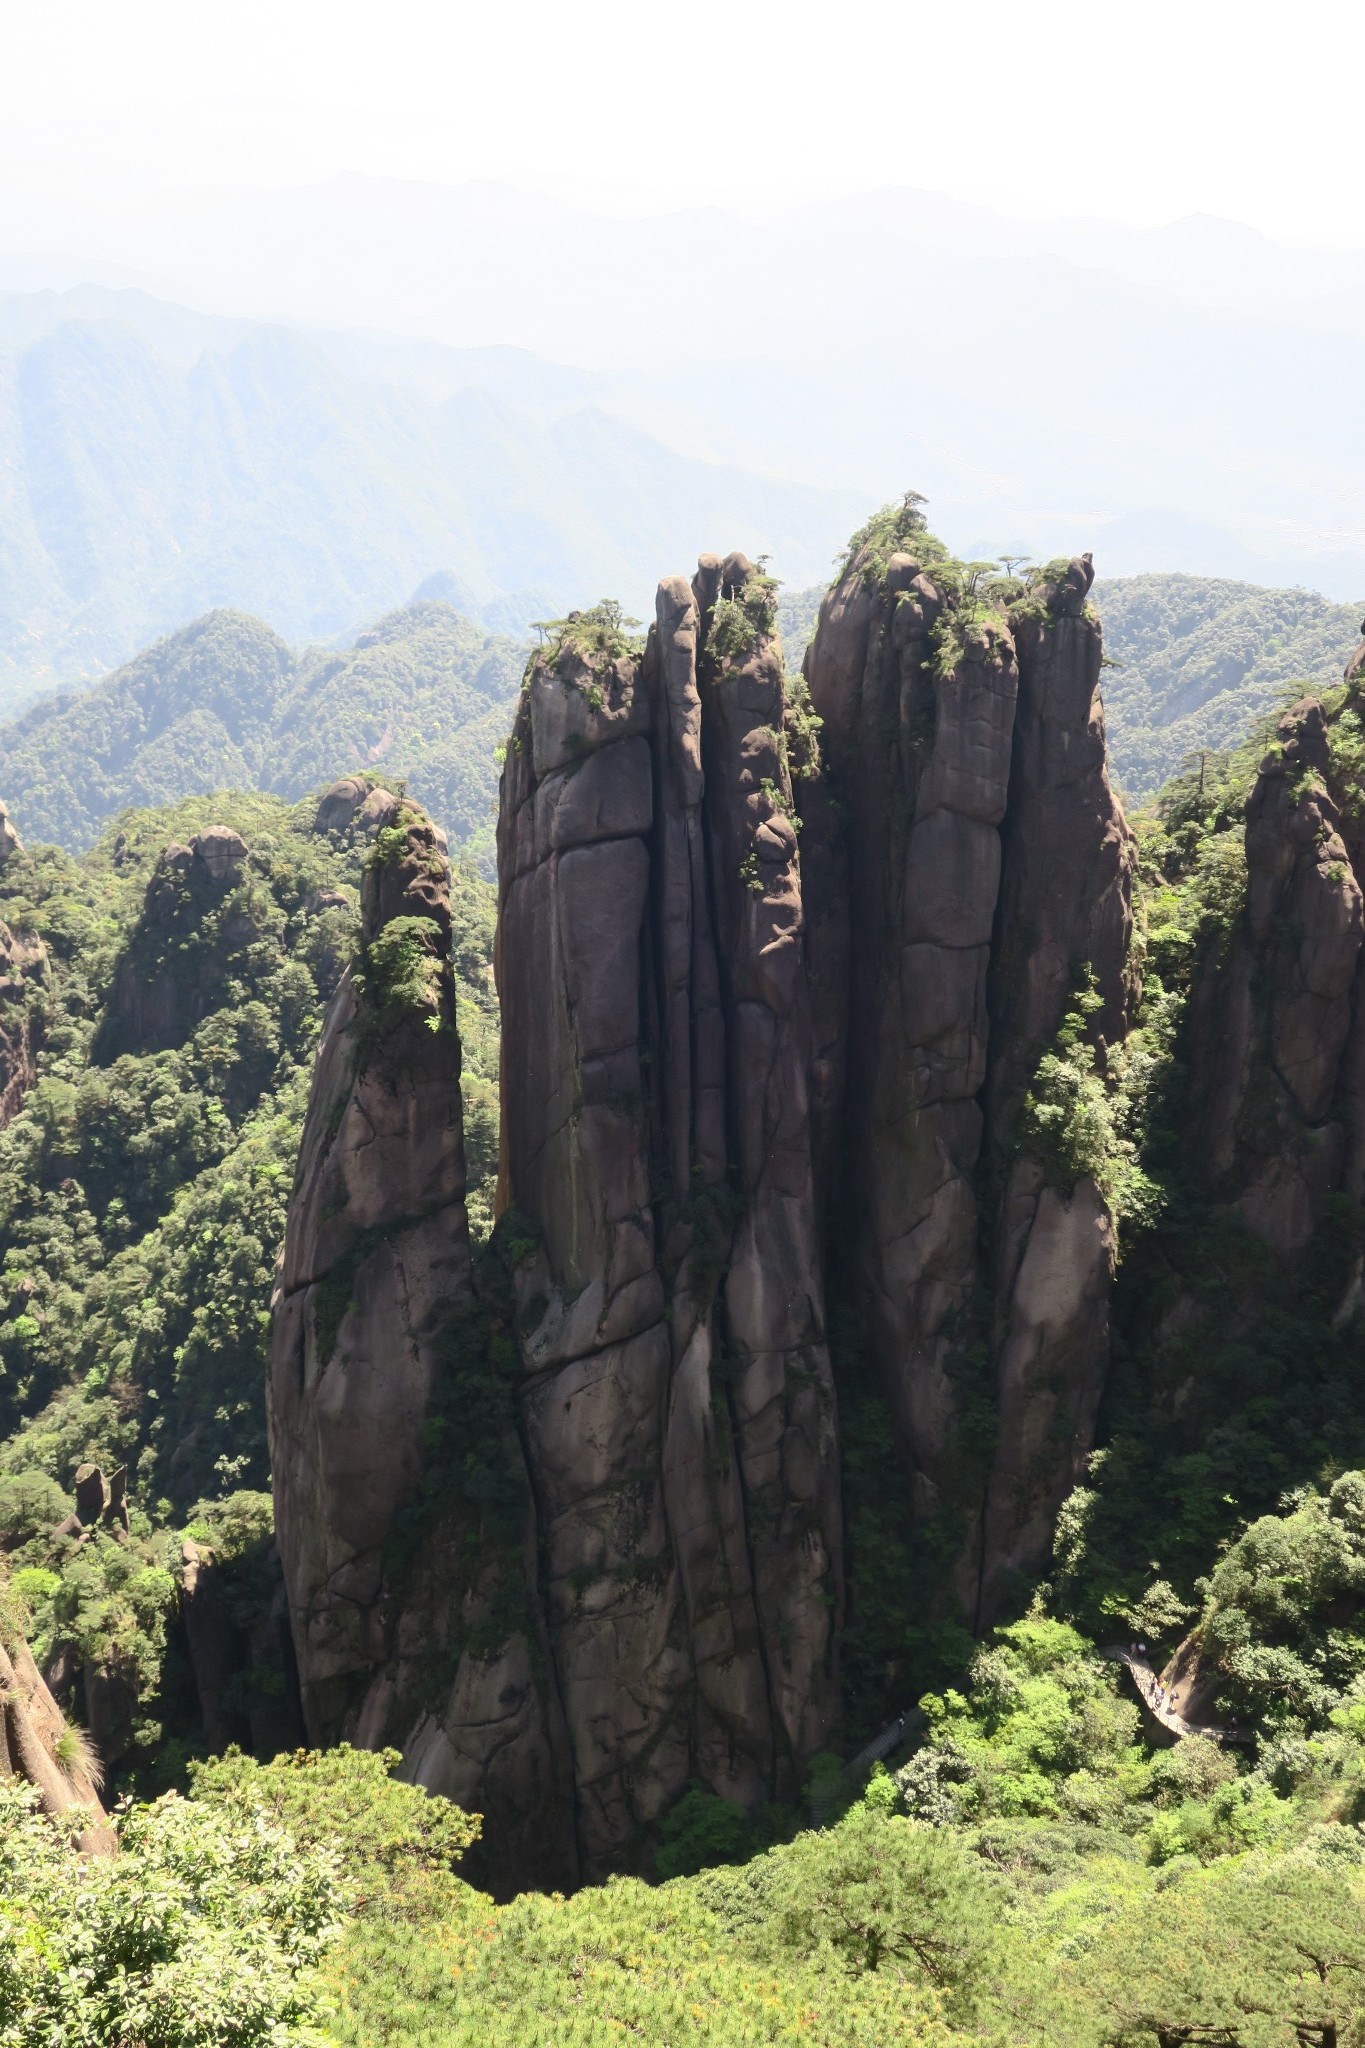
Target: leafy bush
(203,1932)
(1073,1119)
(347,1798)
(1044,1731)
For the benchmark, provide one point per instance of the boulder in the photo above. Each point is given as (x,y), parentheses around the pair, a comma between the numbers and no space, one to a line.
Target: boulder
(222,851)
(338,805)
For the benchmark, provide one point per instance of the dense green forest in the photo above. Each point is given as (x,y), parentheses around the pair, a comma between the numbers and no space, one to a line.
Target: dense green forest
(1035,1863)
(1200,662)
(1039,1869)
(143,1187)
(421,696)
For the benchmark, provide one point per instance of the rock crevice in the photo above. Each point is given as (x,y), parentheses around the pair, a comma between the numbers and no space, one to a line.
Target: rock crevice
(566,1523)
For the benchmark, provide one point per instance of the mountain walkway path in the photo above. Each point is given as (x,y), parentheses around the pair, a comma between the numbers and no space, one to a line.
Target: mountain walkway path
(1164,1702)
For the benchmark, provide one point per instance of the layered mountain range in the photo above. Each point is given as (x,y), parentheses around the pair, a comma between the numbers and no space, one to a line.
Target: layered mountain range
(421,695)
(818,999)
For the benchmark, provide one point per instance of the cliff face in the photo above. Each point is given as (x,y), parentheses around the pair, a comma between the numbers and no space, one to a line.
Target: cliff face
(375,1261)
(987,872)
(678,1407)
(568,1527)
(1278,1024)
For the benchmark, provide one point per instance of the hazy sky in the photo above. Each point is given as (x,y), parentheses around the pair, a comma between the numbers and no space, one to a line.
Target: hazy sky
(1140,110)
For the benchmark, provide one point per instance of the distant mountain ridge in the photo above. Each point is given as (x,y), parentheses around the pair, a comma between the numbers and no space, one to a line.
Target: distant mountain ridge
(149,481)
(423,695)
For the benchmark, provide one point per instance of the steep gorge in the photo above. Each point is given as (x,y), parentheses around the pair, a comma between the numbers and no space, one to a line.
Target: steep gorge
(808,988)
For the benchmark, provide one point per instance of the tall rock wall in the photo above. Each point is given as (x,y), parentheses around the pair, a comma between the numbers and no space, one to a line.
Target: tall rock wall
(678,1409)
(987,874)
(1278,1018)
(566,1525)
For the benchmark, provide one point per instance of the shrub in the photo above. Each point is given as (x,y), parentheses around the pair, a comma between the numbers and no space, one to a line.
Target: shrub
(203,1932)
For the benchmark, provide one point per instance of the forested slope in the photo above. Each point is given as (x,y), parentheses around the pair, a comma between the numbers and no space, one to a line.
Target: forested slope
(185,962)
(423,695)
(1201,662)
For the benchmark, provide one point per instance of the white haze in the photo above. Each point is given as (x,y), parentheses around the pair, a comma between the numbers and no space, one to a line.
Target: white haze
(1000,256)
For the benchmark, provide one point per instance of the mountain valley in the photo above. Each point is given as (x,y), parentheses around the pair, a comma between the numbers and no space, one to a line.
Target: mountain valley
(845,1227)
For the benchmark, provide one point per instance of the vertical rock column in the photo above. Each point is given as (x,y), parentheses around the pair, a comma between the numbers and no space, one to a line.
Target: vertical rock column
(375,1262)
(1065,911)
(1278,1042)
(677,1404)
(918,738)
(703,1490)
(574,865)
(988,868)
(780,1383)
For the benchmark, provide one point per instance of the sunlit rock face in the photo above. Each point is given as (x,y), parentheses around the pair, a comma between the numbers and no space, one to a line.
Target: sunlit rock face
(983,872)
(564,1523)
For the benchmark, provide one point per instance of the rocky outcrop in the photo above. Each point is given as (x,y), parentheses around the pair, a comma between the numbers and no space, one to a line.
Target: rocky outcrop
(10,842)
(195,919)
(235,1622)
(987,876)
(375,1260)
(36,1744)
(566,1524)
(1278,1025)
(24,974)
(23,978)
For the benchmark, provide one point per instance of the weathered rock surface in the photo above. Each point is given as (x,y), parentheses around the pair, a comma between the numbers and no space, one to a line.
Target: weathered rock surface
(988,870)
(31,1730)
(23,976)
(1278,1038)
(10,842)
(375,1260)
(566,1526)
(678,1407)
(338,805)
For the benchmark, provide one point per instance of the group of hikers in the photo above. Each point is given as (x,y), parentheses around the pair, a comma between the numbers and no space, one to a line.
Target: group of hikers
(1137,1653)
